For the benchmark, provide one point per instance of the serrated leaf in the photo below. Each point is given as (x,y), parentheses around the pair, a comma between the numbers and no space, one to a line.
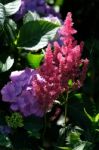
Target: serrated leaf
(34,60)
(12,7)
(7,65)
(2,14)
(35,35)
(80,147)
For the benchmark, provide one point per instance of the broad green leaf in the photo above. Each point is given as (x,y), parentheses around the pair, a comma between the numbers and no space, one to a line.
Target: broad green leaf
(7,65)
(30,16)
(35,35)
(10,29)
(34,60)
(2,14)
(12,7)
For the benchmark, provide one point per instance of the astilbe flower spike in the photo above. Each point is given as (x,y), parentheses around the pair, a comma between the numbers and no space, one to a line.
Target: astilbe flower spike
(34,91)
(51,88)
(67,57)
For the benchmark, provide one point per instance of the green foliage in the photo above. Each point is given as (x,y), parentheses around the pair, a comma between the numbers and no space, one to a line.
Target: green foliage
(8,26)
(12,7)
(5,66)
(34,60)
(31,16)
(2,14)
(15,120)
(64,148)
(5,141)
(70,83)
(73,140)
(39,33)
(33,125)
(94,120)
(8,9)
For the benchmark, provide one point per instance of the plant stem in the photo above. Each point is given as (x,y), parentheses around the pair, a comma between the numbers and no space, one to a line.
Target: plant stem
(44,131)
(66,104)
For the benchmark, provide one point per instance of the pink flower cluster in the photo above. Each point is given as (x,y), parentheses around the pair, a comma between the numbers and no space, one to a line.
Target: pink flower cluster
(37,89)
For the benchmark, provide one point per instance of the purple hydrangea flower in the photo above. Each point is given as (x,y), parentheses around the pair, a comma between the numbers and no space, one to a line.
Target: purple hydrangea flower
(39,6)
(19,92)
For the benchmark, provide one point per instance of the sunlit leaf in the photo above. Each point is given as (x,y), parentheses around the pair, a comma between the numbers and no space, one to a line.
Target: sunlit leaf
(64,148)
(80,147)
(35,35)
(7,65)
(2,14)
(30,16)
(97,118)
(91,118)
(34,60)
(12,7)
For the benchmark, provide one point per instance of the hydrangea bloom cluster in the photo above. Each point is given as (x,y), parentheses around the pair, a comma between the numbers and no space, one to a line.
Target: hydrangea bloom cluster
(20,94)
(39,6)
(33,91)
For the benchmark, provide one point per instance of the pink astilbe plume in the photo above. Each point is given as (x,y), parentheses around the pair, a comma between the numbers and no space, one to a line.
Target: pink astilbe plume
(67,58)
(60,66)
(34,91)
(51,88)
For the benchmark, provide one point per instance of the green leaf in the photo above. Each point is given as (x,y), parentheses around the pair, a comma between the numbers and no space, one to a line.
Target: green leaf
(90,118)
(7,65)
(33,125)
(78,95)
(80,147)
(12,24)
(2,14)
(64,148)
(34,60)
(73,138)
(59,2)
(4,141)
(30,16)
(12,7)
(35,35)
(97,118)
(70,83)
(15,120)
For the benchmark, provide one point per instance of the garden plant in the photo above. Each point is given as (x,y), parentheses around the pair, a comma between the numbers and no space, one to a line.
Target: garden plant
(47,78)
